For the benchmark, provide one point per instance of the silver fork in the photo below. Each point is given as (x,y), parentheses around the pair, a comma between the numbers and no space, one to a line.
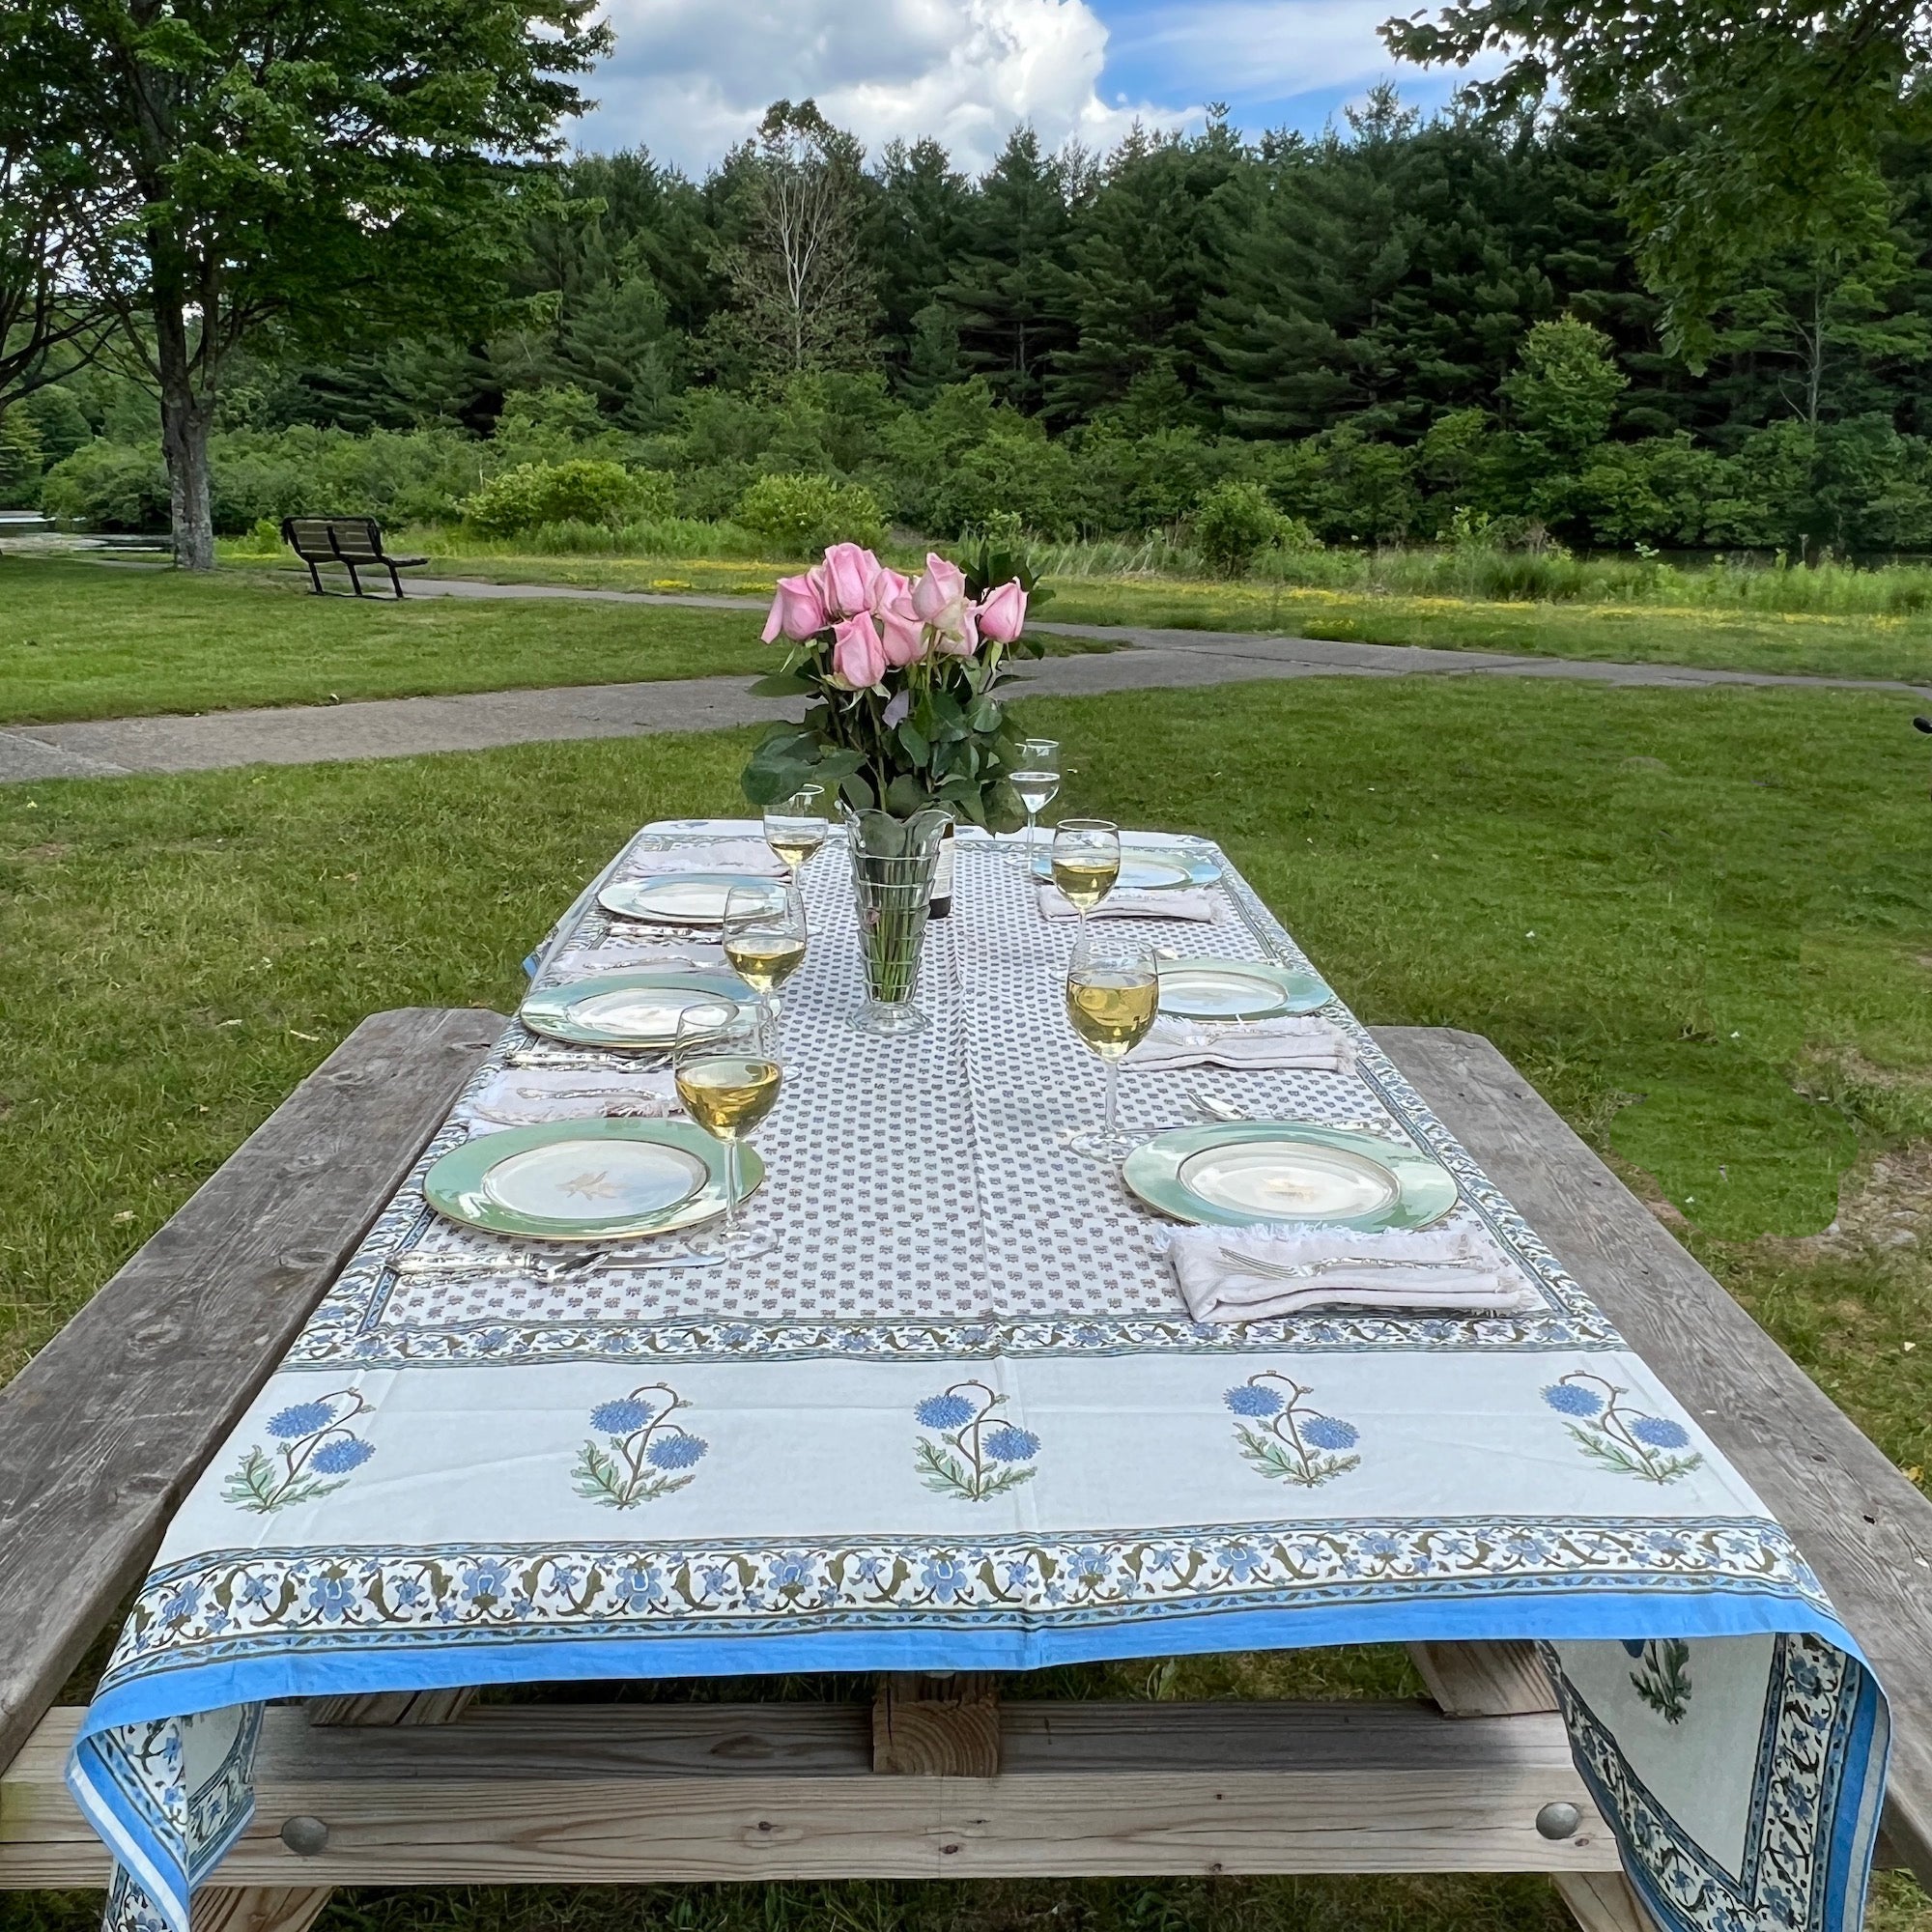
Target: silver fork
(1307,1271)
(444,1267)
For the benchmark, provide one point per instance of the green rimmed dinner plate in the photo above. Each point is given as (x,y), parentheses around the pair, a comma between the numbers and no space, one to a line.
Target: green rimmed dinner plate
(1149,869)
(1241,1172)
(639,1008)
(1238,989)
(685,898)
(587,1181)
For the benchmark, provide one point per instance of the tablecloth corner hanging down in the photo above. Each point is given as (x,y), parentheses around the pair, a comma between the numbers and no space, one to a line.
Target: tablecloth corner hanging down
(963,1419)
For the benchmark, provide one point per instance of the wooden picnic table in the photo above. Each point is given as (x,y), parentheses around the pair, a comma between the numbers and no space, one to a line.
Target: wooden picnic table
(108,1427)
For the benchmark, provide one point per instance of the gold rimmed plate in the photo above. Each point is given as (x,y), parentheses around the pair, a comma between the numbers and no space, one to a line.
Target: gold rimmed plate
(686,899)
(641,1008)
(1236,1174)
(587,1181)
(1238,989)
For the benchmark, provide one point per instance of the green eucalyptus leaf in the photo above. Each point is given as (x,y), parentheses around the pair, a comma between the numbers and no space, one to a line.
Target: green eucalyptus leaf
(905,795)
(784,684)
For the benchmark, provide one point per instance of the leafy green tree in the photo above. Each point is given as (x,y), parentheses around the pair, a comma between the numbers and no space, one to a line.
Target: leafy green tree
(802,292)
(1784,111)
(331,170)
(1822,317)
(48,325)
(1565,391)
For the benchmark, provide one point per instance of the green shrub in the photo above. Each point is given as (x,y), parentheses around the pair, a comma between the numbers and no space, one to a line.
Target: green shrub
(1015,471)
(798,513)
(1233,522)
(584,489)
(110,486)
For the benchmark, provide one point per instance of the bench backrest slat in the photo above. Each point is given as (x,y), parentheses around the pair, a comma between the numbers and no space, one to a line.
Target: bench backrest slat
(330,539)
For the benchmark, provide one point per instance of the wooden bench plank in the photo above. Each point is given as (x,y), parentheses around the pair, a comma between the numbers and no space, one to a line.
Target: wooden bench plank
(1865,1529)
(103,1434)
(642,1793)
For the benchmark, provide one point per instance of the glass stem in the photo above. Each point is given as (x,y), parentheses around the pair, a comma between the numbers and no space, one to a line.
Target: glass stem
(1113,1096)
(1033,824)
(730,1186)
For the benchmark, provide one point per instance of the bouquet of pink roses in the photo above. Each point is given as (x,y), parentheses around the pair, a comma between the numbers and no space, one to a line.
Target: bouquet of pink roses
(901,672)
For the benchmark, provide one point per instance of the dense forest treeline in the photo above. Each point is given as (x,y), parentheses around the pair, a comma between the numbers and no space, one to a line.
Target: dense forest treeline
(1401,330)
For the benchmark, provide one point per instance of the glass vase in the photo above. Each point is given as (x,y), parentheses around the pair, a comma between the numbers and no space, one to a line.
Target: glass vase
(893,861)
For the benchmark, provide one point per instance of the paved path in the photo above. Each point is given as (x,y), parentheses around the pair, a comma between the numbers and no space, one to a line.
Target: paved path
(399,727)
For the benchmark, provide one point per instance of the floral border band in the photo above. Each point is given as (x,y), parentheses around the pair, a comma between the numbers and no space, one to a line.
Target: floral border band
(1811,1705)
(227,1603)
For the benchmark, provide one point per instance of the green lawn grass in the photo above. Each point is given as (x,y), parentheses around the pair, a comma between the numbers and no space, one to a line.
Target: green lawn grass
(98,641)
(1701,922)
(105,640)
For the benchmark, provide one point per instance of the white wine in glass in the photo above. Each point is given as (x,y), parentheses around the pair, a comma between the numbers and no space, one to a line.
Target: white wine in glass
(765,938)
(1086,860)
(796,827)
(1037,782)
(1112,992)
(728,1077)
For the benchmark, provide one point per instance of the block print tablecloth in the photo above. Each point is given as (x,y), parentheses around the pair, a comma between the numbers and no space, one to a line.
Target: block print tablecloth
(960,1419)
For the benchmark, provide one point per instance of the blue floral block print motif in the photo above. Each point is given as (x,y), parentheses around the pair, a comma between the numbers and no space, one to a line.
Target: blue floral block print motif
(1617,1434)
(972,1453)
(315,1453)
(644,1455)
(1286,1439)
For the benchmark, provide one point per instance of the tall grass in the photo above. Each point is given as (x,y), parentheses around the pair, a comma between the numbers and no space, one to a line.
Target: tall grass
(1522,577)
(1475,573)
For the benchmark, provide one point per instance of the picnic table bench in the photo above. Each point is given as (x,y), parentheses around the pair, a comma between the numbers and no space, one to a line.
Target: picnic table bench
(105,1431)
(354,542)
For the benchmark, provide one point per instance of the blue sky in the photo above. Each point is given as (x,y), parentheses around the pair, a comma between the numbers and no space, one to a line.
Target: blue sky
(691,77)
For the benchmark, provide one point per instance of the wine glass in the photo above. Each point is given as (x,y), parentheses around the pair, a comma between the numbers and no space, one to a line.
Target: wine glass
(1036,778)
(729,1076)
(796,827)
(764,935)
(1113,991)
(1086,860)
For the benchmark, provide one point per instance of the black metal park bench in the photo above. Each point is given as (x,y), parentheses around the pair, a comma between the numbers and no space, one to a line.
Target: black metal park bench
(104,1433)
(354,542)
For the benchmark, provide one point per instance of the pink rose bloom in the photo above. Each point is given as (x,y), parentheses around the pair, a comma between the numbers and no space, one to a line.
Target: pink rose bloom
(1002,612)
(906,635)
(850,572)
(943,585)
(887,590)
(958,637)
(798,612)
(858,657)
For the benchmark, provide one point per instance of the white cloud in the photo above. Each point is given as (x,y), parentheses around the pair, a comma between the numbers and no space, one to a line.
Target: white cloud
(691,77)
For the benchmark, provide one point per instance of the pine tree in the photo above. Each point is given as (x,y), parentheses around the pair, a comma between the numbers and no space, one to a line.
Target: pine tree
(918,205)
(1302,338)
(1144,259)
(1009,287)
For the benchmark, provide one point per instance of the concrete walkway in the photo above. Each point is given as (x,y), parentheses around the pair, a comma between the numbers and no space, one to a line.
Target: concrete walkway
(400,727)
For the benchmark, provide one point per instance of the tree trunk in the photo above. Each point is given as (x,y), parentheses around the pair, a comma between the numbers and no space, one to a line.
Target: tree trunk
(184,421)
